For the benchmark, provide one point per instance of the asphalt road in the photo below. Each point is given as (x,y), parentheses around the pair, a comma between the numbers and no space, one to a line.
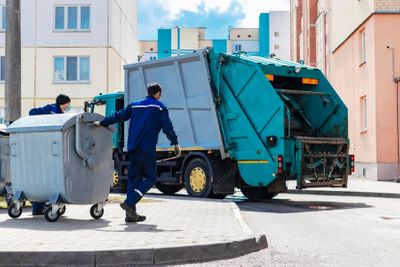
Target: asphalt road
(316,230)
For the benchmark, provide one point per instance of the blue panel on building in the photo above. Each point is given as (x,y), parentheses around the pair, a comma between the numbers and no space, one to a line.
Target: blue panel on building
(164,43)
(219,45)
(264,34)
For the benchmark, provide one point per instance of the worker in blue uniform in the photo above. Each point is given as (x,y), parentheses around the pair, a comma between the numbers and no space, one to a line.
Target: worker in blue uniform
(63,104)
(147,118)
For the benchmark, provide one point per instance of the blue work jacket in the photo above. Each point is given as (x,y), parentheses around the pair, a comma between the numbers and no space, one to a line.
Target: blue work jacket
(48,109)
(147,117)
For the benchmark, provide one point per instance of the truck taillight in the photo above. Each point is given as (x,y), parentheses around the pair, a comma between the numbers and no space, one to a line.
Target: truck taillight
(280,164)
(352,160)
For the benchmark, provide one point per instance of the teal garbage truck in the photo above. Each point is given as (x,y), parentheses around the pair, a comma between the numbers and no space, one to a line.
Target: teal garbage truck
(242,121)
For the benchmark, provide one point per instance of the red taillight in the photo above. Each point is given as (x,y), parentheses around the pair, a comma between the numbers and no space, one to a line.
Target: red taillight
(352,160)
(280,164)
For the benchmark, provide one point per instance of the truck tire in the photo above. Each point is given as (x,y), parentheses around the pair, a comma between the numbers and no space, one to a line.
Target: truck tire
(118,185)
(168,189)
(198,178)
(261,192)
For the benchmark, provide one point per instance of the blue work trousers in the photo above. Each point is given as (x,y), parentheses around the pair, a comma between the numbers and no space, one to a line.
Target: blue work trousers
(142,175)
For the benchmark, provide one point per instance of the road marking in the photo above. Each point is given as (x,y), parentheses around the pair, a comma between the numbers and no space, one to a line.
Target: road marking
(238,216)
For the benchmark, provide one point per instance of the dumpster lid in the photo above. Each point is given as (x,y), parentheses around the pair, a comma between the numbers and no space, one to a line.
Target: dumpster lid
(53,122)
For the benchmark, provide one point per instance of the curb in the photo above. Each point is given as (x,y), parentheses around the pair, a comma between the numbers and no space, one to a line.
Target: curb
(143,256)
(344,193)
(167,255)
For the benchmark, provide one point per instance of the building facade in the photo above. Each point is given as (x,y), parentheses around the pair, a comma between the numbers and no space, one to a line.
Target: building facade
(358,48)
(73,47)
(271,37)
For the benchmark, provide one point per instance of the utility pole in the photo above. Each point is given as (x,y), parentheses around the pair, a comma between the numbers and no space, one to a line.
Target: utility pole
(13,61)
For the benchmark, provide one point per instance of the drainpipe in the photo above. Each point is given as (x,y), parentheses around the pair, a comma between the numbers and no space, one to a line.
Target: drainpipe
(396,80)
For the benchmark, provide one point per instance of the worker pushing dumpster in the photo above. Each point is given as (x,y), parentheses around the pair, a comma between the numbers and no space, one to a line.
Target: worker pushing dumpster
(60,159)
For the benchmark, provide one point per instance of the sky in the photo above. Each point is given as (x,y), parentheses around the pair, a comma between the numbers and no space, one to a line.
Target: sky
(216,15)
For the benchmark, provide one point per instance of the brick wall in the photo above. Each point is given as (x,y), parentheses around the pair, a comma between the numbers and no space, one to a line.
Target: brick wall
(387,5)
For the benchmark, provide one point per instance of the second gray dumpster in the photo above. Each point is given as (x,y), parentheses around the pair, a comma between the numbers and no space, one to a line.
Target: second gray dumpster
(60,159)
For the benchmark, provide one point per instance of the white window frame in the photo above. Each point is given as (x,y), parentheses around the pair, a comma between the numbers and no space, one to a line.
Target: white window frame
(239,46)
(78,21)
(364,114)
(3,81)
(362,47)
(1,18)
(78,69)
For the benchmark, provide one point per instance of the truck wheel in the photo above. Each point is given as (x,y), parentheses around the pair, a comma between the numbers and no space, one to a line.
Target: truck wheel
(118,185)
(198,178)
(168,189)
(261,192)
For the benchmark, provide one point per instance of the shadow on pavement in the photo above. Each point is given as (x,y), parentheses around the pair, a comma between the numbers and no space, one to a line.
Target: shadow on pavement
(39,223)
(137,227)
(289,206)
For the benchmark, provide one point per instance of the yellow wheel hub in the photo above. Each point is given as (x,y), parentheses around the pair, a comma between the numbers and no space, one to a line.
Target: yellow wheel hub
(197,179)
(115,178)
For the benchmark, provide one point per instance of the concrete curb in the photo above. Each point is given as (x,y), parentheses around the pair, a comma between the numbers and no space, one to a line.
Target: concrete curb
(167,255)
(344,193)
(143,256)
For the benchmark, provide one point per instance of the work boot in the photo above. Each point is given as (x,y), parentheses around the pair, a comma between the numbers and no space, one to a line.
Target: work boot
(131,213)
(136,218)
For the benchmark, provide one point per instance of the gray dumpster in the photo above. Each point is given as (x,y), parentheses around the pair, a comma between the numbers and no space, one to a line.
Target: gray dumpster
(60,159)
(4,163)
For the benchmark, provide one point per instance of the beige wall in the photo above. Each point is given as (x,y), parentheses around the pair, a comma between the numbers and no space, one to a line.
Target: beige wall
(385,87)
(352,81)
(39,88)
(244,34)
(376,148)
(348,15)
(146,46)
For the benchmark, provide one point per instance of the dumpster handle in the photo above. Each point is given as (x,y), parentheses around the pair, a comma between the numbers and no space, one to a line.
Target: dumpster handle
(89,162)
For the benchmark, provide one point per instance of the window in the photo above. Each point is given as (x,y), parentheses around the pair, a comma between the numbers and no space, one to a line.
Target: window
(2,68)
(72,18)
(151,49)
(362,46)
(249,35)
(3,18)
(276,47)
(72,69)
(363,108)
(276,34)
(153,58)
(238,36)
(238,47)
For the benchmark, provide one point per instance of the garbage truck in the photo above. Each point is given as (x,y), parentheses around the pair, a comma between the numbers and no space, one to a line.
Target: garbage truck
(242,121)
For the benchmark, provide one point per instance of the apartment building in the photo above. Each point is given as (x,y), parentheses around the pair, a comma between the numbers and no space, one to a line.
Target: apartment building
(357,46)
(271,37)
(74,47)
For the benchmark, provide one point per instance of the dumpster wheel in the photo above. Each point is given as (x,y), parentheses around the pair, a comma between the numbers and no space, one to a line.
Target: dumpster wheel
(13,212)
(95,212)
(50,216)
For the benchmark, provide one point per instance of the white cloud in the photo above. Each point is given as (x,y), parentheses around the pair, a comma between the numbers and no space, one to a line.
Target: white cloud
(161,13)
(252,8)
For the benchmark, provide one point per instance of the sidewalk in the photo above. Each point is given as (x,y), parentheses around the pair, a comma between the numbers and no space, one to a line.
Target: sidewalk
(356,187)
(176,230)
